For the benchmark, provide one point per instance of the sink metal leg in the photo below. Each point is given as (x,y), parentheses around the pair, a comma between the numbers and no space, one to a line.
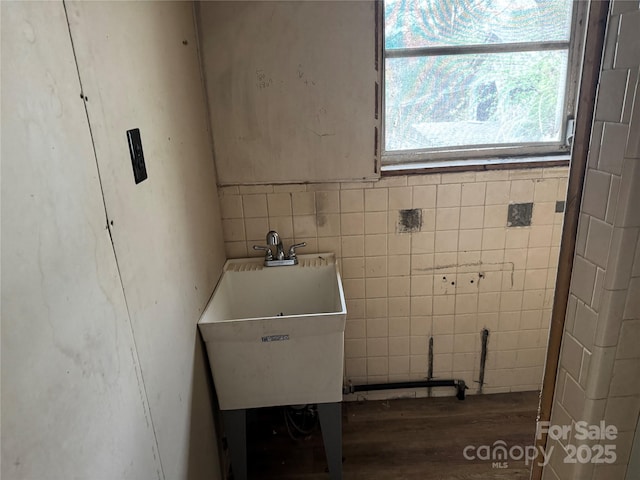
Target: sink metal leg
(331,425)
(235,427)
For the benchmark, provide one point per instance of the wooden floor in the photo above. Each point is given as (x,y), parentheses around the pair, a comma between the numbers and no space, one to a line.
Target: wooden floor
(419,439)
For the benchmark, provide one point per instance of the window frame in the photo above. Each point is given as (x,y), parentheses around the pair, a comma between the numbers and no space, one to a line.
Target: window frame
(486,156)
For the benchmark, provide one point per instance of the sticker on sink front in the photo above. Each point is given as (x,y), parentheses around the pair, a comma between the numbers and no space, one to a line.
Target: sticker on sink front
(275,338)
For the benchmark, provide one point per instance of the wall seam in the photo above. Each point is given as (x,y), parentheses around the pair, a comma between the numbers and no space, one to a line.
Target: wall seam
(136,357)
(203,81)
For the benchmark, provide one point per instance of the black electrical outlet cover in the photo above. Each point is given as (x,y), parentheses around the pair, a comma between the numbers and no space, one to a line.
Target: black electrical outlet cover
(137,155)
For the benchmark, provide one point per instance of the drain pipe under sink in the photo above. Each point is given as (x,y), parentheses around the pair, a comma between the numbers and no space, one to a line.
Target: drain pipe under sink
(459,384)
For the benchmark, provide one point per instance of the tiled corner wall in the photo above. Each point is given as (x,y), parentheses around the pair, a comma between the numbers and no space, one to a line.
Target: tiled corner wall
(449,274)
(599,374)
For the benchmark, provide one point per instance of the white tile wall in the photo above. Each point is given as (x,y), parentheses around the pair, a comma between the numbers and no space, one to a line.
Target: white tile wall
(600,351)
(462,271)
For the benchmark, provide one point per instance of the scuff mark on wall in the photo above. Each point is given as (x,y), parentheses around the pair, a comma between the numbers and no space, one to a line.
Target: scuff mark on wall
(262,80)
(321,134)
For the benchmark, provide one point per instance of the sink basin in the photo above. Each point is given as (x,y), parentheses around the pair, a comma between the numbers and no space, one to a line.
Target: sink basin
(275,335)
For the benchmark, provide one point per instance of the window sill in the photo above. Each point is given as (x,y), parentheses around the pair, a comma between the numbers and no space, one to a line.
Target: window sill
(471,165)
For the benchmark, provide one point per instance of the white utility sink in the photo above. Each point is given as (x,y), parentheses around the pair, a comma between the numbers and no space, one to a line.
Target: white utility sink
(275,335)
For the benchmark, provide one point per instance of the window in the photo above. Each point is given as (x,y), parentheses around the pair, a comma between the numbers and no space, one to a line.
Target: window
(478,80)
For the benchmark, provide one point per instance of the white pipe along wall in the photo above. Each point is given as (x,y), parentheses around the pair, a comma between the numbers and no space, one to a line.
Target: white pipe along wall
(103,280)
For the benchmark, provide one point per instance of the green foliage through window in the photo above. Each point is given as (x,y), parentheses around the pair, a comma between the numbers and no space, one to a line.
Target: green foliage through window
(442,92)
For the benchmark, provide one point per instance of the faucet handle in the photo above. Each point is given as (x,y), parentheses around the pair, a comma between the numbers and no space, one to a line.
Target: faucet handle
(292,248)
(268,253)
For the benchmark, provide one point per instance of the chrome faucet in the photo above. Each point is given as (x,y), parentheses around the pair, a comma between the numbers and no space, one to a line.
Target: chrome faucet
(280,259)
(274,239)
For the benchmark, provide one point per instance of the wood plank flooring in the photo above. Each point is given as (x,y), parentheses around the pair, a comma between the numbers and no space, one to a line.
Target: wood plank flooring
(404,439)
